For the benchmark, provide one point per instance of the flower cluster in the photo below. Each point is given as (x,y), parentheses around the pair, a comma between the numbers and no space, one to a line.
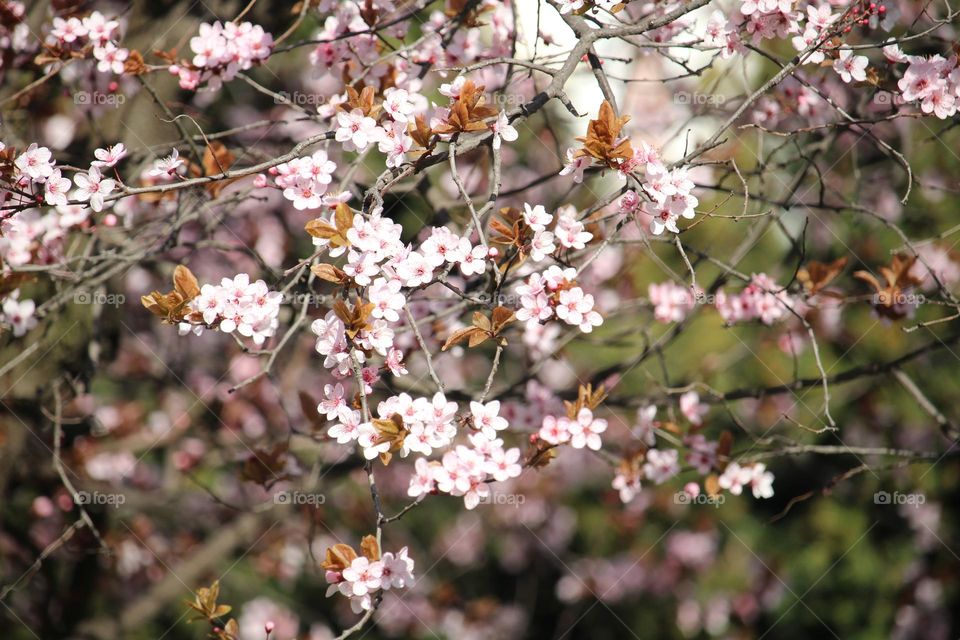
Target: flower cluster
(555,292)
(581,431)
(221,51)
(15,32)
(35,168)
(442,247)
(496,247)
(336,53)
(421,426)
(376,258)
(735,477)
(671,197)
(32,237)
(671,302)
(359,55)
(360,577)
(333,344)
(932,81)
(361,121)
(94,30)
(723,33)
(537,219)
(569,231)
(762,299)
(765,19)
(467,470)
(235,305)
(669,192)
(660,465)
(305,180)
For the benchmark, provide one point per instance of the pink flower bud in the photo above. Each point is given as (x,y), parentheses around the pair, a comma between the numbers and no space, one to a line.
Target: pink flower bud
(42,507)
(65,502)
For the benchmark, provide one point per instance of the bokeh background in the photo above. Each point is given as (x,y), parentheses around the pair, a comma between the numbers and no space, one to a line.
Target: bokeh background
(150,416)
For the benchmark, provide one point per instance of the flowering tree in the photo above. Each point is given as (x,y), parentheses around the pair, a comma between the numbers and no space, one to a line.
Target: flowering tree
(567,295)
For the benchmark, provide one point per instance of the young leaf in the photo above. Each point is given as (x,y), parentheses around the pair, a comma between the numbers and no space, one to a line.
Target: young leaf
(329,273)
(472,334)
(185,283)
(338,557)
(817,275)
(369,548)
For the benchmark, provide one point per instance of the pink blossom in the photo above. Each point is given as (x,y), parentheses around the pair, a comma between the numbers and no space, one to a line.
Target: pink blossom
(851,67)
(502,130)
(585,430)
(55,189)
(92,187)
(661,465)
(691,407)
(109,157)
(357,131)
